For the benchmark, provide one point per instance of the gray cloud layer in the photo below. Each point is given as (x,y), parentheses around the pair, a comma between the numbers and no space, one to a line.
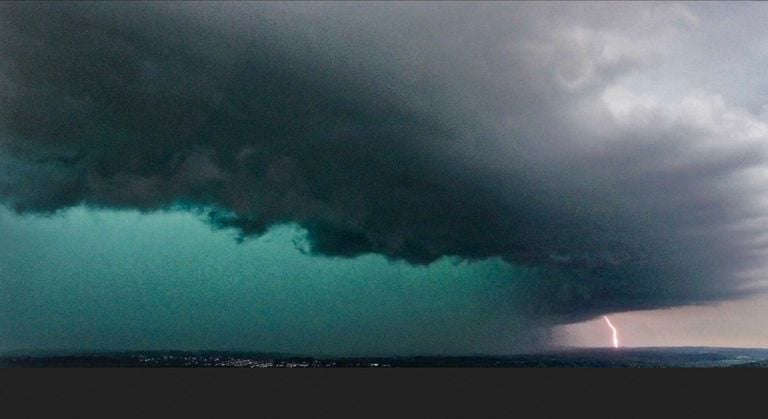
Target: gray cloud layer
(545,134)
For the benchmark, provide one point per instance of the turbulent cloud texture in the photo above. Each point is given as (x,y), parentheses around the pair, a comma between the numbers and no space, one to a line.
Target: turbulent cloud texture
(601,144)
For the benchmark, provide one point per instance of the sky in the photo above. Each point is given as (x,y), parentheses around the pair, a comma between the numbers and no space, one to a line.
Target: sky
(382,177)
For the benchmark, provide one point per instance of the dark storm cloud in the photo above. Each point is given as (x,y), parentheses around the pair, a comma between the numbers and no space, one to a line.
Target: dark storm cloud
(408,130)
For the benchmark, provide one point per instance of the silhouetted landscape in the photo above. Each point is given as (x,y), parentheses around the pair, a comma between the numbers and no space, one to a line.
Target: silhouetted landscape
(701,357)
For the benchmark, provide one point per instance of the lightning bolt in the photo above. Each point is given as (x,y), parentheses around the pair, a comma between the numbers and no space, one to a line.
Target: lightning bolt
(615,333)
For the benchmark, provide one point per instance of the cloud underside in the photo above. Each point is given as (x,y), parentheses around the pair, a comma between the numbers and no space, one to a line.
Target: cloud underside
(411,131)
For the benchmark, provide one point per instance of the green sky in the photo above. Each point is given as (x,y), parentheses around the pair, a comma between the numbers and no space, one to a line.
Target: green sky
(102,279)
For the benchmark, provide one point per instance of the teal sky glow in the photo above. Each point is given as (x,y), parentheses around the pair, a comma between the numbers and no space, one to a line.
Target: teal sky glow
(110,279)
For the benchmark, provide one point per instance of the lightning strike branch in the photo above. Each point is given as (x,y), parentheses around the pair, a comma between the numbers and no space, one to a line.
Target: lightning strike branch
(615,333)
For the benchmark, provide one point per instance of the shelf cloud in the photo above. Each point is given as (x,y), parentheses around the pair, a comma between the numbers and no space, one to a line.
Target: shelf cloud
(621,149)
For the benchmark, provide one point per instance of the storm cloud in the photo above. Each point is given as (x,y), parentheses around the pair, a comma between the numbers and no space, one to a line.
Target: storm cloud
(600,144)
